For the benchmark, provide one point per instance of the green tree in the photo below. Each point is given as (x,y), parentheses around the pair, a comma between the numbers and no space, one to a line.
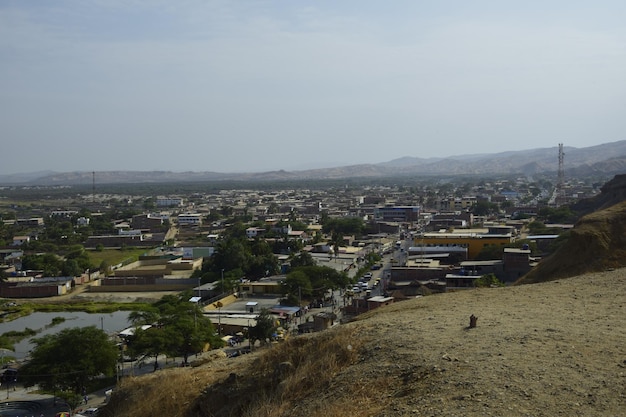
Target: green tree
(308,282)
(562,214)
(344,226)
(178,329)
(70,359)
(302,259)
(336,240)
(151,342)
(484,208)
(231,254)
(296,286)
(71,269)
(489,280)
(264,329)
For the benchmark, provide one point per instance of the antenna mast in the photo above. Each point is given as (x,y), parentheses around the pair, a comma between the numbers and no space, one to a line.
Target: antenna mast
(93,187)
(561,175)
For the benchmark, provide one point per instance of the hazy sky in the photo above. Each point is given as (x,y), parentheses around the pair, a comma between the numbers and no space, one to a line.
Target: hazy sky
(240,86)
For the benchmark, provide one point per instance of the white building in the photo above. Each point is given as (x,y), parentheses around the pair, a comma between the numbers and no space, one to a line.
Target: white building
(189,219)
(169,202)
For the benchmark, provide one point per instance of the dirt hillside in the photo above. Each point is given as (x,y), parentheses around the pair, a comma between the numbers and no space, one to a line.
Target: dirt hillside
(549,349)
(596,243)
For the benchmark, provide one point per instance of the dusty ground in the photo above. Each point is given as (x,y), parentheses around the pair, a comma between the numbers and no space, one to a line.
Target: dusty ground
(551,349)
(120,297)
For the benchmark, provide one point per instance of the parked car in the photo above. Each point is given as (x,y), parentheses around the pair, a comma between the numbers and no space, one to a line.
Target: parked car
(88,412)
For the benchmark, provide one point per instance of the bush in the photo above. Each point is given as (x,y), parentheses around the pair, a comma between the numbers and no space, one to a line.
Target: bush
(488,281)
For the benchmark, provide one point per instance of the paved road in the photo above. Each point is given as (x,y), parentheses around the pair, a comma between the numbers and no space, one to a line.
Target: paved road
(20,402)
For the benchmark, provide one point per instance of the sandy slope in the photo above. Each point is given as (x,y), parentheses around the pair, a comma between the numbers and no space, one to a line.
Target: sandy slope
(550,349)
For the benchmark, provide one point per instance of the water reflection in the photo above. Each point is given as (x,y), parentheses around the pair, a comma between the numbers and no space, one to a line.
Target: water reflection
(41,323)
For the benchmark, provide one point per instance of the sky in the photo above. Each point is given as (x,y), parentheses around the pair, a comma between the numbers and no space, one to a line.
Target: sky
(250,86)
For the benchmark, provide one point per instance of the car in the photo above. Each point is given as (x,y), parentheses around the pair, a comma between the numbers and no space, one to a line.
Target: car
(367,275)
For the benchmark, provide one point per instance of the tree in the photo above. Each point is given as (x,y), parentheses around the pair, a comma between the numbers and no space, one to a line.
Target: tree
(336,241)
(312,282)
(151,342)
(484,208)
(302,259)
(489,280)
(70,359)
(295,286)
(178,329)
(264,329)
(344,226)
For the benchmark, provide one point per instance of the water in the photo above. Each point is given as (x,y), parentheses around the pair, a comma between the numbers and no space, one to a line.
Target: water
(109,322)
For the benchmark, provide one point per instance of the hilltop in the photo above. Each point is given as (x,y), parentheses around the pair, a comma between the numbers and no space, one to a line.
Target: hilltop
(548,349)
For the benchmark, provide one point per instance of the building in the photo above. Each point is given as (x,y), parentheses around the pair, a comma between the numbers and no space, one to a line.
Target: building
(473,242)
(252,232)
(147,222)
(31,222)
(265,286)
(404,214)
(169,202)
(20,240)
(82,221)
(190,219)
(517,263)
(455,203)
(63,213)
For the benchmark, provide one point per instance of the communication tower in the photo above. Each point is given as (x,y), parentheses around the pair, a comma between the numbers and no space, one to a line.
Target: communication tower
(560,186)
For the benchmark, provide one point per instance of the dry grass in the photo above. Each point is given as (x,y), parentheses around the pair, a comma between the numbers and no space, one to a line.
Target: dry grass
(167,392)
(544,350)
(270,382)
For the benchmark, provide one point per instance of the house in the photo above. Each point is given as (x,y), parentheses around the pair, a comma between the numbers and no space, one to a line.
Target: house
(189,219)
(252,232)
(82,221)
(147,222)
(20,240)
(31,222)
(39,287)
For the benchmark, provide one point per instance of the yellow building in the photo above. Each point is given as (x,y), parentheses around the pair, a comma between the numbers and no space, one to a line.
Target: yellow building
(473,242)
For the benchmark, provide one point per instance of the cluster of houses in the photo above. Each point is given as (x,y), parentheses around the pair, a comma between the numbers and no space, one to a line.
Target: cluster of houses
(443,239)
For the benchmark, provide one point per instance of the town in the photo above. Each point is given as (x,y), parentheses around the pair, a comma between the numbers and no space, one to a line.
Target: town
(438,237)
(262,265)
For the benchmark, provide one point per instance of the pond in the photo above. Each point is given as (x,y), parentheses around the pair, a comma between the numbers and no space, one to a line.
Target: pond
(111,323)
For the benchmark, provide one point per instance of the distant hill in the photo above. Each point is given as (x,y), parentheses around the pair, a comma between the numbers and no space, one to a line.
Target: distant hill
(608,159)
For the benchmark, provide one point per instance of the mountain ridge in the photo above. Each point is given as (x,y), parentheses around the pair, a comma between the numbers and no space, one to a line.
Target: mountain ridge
(606,159)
